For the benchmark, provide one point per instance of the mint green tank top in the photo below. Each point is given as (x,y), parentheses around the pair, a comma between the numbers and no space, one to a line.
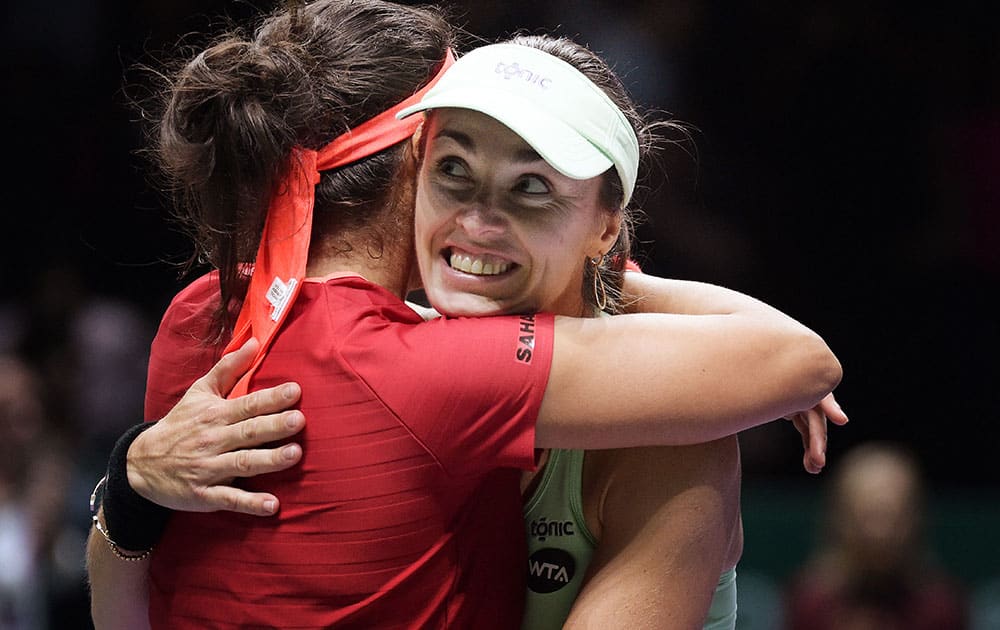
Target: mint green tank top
(560,548)
(559,544)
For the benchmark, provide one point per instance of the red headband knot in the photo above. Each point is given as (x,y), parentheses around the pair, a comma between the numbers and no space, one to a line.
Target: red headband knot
(280,266)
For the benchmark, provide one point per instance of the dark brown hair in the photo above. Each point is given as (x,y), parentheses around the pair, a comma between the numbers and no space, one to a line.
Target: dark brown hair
(232,114)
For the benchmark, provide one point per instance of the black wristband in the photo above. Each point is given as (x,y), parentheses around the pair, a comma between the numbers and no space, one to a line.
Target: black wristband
(134,522)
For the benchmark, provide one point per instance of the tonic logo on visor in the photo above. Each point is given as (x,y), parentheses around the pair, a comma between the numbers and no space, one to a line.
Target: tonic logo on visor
(566,118)
(515,71)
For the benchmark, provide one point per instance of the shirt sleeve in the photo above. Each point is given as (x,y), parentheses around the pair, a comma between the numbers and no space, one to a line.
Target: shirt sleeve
(180,353)
(468,388)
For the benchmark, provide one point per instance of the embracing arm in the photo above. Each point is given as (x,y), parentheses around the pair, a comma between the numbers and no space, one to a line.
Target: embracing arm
(208,431)
(645,295)
(188,460)
(668,523)
(119,596)
(709,363)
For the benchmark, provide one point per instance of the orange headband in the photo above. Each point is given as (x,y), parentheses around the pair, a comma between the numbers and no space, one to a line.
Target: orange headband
(284,245)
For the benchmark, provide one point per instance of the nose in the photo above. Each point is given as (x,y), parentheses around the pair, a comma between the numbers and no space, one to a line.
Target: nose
(481,219)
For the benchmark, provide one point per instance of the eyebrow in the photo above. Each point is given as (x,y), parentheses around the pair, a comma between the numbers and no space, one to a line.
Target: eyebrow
(465,141)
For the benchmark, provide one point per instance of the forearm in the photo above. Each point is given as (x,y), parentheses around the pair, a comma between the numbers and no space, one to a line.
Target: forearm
(185,461)
(125,528)
(648,294)
(643,293)
(698,363)
(649,379)
(119,597)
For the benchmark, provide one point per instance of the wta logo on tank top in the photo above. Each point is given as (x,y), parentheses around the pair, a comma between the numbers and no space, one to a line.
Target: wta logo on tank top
(550,568)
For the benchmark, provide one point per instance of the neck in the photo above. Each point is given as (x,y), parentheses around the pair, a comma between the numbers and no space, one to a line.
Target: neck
(386,264)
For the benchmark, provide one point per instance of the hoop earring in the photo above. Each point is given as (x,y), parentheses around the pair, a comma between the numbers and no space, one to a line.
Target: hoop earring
(600,292)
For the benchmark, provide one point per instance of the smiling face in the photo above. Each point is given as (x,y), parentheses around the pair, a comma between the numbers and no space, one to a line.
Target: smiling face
(498,230)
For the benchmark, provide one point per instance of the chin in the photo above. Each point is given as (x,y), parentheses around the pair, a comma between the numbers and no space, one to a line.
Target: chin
(465,304)
(473,308)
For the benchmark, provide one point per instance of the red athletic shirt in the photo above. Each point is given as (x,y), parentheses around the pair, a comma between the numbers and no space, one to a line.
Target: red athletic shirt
(405,510)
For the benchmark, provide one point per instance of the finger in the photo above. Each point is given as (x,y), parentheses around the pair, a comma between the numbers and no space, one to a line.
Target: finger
(817,438)
(803,428)
(802,425)
(251,462)
(233,499)
(265,401)
(833,411)
(228,370)
(809,462)
(811,467)
(261,430)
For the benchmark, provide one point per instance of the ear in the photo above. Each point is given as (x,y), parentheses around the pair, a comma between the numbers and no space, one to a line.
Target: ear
(416,138)
(611,226)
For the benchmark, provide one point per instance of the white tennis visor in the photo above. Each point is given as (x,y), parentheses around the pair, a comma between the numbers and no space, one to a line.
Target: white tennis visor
(561,113)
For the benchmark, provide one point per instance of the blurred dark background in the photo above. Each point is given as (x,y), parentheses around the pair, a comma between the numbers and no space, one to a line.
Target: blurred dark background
(846,168)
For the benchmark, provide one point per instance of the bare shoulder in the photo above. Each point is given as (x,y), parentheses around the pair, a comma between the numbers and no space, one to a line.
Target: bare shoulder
(627,489)
(668,525)
(643,464)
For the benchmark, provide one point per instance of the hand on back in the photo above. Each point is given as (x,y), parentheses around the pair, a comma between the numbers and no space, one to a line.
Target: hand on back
(188,460)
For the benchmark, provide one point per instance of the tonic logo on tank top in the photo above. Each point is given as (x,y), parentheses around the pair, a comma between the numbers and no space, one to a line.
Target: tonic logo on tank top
(525,339)
(542,528)
(550,569)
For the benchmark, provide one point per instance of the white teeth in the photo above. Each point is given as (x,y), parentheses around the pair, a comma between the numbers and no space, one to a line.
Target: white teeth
(477,266)
(462,263)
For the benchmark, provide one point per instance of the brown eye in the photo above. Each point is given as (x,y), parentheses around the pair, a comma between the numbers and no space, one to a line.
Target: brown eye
(532,185)
(453,168)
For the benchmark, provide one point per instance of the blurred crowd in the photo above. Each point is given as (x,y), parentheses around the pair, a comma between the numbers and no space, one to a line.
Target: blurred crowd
(843,166)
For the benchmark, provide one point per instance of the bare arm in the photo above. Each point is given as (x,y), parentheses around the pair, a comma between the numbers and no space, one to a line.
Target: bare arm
(722,362)
(668,526)
(199,441)
(645,295)
(713,363)
(119,596)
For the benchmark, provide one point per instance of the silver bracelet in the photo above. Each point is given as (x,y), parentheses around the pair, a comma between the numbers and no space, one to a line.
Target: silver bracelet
(115,549)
